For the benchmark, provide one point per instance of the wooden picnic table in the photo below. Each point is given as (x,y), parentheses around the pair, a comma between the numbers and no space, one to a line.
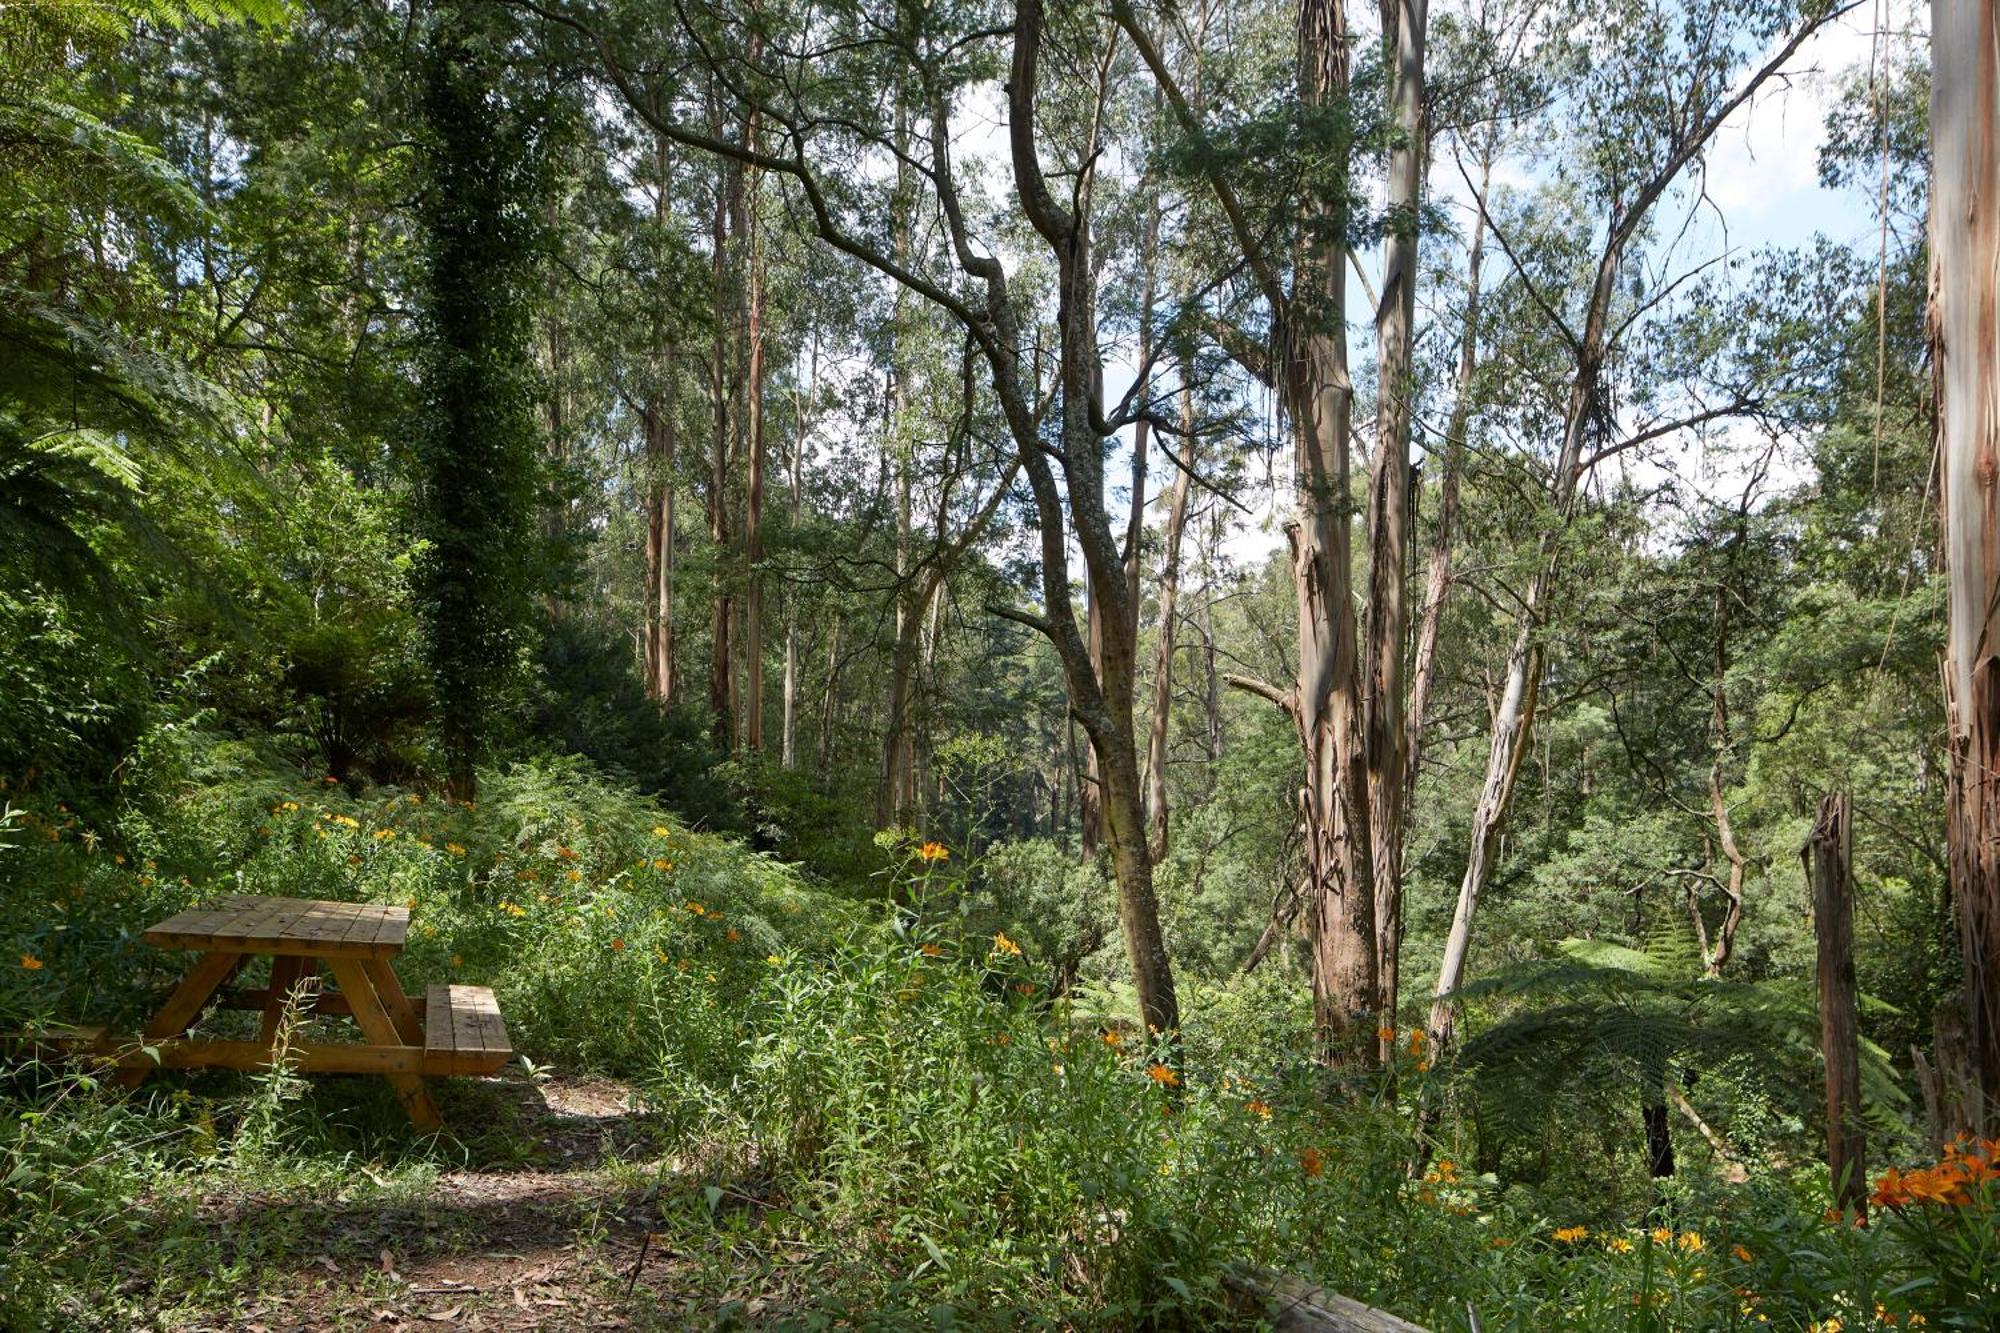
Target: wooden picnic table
(458,1031)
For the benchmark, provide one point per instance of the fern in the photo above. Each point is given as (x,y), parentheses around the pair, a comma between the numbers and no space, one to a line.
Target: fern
(1604,1015)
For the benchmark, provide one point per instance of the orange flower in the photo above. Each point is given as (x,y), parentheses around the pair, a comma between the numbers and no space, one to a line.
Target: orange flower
(30,963)
(617,945)
(1258,1107)
(931,951)
(1113,1039)
(1385,1033)
(1742,1253)
(1416,1041)
(567,853)
(932,852)
(1001,944)
(1312,1163)
(1163,1076)
(1570,1235)
(1024,987)
(733,935)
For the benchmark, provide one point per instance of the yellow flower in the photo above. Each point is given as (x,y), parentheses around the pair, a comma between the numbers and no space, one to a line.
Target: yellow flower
(411,902)
(697,909)
(455,849)
(384,834)
(662,831)
(1569,1235)
(662,863)
(774,960)
(932,852)
(457,960)
(1691,1242)
(574,876)
(30,963)
(931,951)
(1618,1245)
(1163,1076)
(513,909)
(1661,1235)
(416,799)
(1001,944)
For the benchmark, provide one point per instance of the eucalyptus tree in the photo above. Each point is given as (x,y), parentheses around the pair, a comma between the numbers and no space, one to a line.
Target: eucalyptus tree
(1965,337)
(1652,84)
(1303,290)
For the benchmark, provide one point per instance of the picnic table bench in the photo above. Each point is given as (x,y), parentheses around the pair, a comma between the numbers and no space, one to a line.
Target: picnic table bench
(457,1031)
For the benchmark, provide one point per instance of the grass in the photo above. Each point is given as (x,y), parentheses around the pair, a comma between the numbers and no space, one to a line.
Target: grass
(847,1113)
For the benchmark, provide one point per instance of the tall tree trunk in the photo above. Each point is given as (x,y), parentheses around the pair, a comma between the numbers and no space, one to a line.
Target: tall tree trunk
(661,425)
(895,803)
(721,673)
(1965,342)
(1437,583)
(1090,783)
(1829,858)
(1325,702)
(1163,660)
(788,748)
(1513,718)
(1389,507)
(753,505)
(829,695)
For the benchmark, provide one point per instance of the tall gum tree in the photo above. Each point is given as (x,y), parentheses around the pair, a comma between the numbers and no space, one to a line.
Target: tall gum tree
(1965,342)
(1306,296)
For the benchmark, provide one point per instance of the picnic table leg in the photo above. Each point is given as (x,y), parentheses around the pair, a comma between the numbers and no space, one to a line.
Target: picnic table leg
(182,1007)
(286,972)
(380,1029)
(408,1021)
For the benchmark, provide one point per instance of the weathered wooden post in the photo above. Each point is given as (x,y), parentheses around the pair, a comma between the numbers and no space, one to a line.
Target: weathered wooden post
(1829,858)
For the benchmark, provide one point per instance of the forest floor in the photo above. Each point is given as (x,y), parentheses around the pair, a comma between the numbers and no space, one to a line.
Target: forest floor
(556,1238)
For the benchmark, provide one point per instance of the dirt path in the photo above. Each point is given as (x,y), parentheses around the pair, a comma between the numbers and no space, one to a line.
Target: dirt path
(551,1241)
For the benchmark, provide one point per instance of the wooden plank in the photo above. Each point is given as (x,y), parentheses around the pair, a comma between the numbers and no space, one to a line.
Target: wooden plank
(286,971)
(250,923)
(1293,1306)
(308,1057)
(185,1004)
(380,1030)
(404,1014)
(464,1032)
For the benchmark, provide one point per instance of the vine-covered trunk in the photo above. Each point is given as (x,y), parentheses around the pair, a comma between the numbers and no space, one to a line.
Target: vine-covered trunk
(1965,342)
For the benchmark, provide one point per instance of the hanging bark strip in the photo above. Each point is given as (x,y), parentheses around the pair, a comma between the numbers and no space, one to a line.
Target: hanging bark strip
(1829,858)
(1965,343)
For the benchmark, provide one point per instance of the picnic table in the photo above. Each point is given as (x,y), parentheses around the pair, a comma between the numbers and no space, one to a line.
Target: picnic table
(458,1030)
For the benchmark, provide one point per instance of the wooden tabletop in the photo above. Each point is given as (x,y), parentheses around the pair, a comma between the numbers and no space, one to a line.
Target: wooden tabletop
(251,923)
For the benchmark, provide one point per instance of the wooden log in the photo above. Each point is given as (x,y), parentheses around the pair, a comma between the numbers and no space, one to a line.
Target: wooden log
(1296,1306)
(1829,858)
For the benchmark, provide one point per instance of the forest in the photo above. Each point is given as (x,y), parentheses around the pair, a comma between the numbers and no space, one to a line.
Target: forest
(1070,664)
